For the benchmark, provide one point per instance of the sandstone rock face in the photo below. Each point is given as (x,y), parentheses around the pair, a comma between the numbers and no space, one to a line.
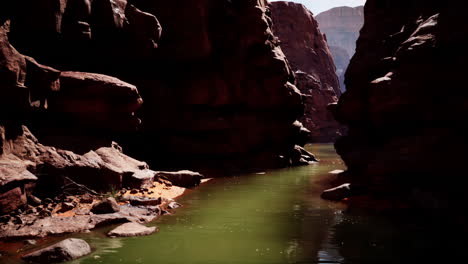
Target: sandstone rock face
(217,88)
(341,26)
(403,128)
(14,99)
(237,89)
(107,167)
(97,100)
(309,55)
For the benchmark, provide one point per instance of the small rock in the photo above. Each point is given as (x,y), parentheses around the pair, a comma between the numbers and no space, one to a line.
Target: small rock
(44,213)
(65,207)
(65,250)
(31,211)
(173,205)
(87,198)
(164,212)
(30,242)
(18,221)
(69,199)
(47,201)
(5,219)
(337,193)
(106,206)
(33,200)
(82,211)
(131,229)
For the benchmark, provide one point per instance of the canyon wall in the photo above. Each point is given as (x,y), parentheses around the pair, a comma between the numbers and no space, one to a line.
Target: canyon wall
(218,92)
(215,83)
(341,26)
(311,59)
(406,102)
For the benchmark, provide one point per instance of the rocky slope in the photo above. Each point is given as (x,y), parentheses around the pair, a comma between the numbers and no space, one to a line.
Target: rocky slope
(406,104)
(341,25)
(310,58)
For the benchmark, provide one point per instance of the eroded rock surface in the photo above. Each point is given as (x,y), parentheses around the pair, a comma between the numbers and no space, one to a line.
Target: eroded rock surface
(65,250)
(215,86)
(307,50)
(131,229)
(405,127)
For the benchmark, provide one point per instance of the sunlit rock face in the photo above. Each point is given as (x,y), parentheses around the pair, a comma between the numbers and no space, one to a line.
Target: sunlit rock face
(341,26)
(311,59)
(217,89)
(406,101)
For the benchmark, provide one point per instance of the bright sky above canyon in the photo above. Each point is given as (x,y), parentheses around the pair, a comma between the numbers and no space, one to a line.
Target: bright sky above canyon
(318,6)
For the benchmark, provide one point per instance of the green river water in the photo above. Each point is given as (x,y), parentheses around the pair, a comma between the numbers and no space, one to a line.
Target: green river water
(271,218)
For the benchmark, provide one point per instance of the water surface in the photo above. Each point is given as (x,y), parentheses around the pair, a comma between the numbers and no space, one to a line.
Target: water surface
(276,217)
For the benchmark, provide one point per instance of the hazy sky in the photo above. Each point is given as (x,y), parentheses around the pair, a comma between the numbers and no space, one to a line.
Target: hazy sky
(317,6)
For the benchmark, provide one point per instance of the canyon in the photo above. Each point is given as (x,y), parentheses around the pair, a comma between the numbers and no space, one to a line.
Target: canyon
(341,26)
(105,104)
(206,87)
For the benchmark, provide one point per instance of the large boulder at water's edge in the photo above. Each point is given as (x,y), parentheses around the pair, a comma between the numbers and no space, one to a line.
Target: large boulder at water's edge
(65,250)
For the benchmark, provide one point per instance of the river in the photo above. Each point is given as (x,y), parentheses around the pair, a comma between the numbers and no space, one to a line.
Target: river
(272,217)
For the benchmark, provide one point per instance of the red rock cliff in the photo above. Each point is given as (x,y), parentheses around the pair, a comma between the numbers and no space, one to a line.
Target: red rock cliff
(218,91)
(309,55)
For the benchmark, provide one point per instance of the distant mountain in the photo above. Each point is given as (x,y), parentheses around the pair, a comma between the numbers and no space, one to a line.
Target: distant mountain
(341,26)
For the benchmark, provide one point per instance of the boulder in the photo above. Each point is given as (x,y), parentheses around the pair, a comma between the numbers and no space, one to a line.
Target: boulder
(64,207)
(65,250)
(173,205)
(131,230)
(97,101)
(338,193)
(184,178)
(139,179)
(14,179)
(106,206)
